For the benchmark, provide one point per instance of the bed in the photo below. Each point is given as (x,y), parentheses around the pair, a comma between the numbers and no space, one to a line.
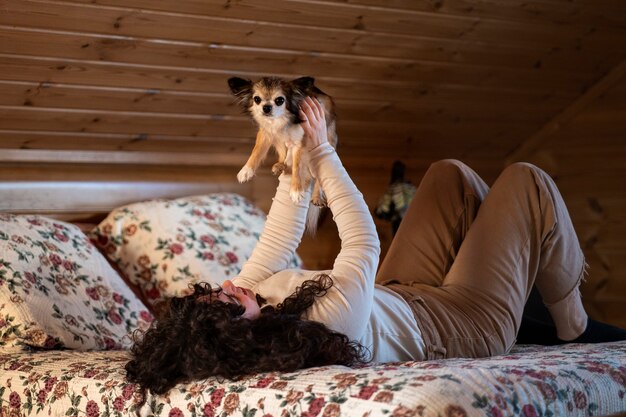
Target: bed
(69,300)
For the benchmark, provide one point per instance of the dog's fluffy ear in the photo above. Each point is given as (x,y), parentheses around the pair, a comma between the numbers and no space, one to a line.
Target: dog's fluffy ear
(304,83)
(239,86)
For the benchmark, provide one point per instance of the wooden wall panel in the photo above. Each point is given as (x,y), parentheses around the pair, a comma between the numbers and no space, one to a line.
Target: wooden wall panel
(587,158)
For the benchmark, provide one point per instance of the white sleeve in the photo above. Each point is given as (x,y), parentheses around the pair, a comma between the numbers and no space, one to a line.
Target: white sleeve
(280,237)
(355,267)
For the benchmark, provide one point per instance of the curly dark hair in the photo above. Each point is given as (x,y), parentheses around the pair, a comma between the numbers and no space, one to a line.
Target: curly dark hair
(196,340)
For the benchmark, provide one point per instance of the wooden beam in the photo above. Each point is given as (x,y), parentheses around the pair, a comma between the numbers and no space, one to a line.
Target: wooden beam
(72,197)
(122,157)
(530,145)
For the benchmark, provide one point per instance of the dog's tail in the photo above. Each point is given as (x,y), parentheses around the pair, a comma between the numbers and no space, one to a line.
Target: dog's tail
(312,218)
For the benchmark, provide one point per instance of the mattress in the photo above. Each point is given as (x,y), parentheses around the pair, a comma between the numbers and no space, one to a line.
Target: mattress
(568,380)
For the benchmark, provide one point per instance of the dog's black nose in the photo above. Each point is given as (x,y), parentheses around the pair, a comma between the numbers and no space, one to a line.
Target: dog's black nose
(267,108)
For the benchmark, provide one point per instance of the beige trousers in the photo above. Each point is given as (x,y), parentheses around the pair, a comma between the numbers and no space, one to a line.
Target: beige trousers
(466,258)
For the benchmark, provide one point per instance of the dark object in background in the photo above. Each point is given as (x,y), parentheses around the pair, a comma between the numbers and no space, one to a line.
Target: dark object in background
(394,203)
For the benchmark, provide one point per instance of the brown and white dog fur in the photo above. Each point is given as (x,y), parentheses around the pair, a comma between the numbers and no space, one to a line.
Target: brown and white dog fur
(274,103)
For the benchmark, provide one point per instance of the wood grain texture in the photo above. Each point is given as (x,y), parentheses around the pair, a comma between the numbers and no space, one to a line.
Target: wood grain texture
(429,107)
(215,58)
(177,26)
(367,18)
(46,70)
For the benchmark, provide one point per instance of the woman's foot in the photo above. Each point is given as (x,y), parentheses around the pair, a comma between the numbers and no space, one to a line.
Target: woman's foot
(537,332)
(598,332)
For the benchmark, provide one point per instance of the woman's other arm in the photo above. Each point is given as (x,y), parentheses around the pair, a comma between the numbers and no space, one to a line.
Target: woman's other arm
(355,267)
(280,237)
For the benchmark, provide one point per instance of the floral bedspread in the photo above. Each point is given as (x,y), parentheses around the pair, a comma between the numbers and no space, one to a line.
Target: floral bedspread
(571,380)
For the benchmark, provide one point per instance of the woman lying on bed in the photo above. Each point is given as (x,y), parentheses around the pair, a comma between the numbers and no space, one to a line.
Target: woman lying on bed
(453,284)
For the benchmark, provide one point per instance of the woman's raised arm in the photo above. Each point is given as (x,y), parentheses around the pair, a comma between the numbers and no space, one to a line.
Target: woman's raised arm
(355,267)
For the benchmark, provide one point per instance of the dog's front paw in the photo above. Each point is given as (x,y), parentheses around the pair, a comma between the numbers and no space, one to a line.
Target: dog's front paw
(245,174)
(296,195)
(278,168)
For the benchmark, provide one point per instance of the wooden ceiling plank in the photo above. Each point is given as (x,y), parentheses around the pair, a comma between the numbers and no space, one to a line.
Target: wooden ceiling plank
(124,75)
(59,140)
(17,117)
(607,13)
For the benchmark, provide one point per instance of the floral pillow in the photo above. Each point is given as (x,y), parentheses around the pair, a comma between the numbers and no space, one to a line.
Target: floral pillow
(163,246)
(58,291)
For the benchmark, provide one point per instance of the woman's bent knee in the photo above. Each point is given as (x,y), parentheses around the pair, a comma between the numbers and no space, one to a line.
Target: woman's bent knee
(448,169)
(453,165)
(522,169)
(521,173)
(455,175)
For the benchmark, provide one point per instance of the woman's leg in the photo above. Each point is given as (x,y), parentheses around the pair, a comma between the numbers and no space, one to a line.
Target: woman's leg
(522,235)
(436,222)
(434,226)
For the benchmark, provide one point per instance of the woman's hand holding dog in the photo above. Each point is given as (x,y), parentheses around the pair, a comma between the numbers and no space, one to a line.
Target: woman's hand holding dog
(314,123)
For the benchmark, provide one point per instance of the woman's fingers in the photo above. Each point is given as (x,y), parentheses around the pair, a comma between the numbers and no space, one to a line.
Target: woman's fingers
(305,109)
(309,118)
(306,122)
(308,110)
(313,122)
(319,109)
(303,116)
(313,110)
(315,107)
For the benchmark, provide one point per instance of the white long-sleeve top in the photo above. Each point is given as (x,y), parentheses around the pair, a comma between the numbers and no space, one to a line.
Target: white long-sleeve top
(373,315)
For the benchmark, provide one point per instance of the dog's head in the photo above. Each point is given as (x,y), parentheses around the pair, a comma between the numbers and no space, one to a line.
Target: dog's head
(272,99)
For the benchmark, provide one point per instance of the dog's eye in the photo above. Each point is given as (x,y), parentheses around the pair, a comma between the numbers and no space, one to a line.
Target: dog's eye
(279,101)
(257,99)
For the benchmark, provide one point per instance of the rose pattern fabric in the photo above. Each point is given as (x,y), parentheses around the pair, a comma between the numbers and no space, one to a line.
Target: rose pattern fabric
(570,380)
(58,291)
(164,245)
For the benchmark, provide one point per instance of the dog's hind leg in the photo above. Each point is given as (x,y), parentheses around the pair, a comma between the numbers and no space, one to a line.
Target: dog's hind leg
(318,198)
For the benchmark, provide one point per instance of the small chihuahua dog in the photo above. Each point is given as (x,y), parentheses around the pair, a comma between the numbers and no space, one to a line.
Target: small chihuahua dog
(274,103)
